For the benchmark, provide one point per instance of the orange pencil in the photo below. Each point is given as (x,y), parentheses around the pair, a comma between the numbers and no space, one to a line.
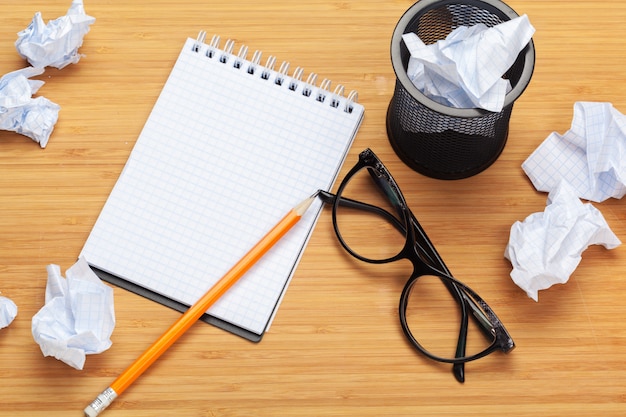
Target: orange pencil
(194,312)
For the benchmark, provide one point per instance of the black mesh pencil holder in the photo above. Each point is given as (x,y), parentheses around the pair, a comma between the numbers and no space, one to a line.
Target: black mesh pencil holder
(440,141)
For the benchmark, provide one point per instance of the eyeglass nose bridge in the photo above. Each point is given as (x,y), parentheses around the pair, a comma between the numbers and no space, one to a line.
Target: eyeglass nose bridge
(424,263)
(419,262)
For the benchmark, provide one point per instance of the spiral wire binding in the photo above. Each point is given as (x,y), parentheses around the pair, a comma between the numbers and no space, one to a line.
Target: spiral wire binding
(353,97)
(282,72)
(241,56)
(296,78)
(213,45)
(336,95)
(323,90)
(269,67)
(256,58)
(199,41)
(311,79)
(227,51)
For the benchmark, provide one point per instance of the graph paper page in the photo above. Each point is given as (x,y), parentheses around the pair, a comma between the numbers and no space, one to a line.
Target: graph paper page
(224,154)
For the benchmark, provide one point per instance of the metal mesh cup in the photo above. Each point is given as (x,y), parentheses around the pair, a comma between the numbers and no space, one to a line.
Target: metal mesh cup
(440,141)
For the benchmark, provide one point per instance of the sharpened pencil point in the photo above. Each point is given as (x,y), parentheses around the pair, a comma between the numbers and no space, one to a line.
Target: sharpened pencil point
(305,204)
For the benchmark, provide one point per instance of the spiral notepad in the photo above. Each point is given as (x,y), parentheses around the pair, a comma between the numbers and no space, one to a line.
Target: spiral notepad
(229,147)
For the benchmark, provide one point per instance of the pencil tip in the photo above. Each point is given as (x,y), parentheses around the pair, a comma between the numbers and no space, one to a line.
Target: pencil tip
(305,204)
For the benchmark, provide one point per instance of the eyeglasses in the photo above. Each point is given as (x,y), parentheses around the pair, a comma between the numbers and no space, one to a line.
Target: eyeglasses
(380,229)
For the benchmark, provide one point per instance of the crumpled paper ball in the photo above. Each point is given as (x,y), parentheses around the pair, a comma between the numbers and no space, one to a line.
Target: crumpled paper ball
(546,247)
(8,311)
(55,44)
(591,155)
(23,114)
(78,317)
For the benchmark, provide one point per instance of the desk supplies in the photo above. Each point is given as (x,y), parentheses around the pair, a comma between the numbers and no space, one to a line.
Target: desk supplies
(435,139)
(195,311)
(228,142)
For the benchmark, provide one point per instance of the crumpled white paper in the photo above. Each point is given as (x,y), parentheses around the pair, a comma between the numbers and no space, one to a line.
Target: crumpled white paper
(591,155)
(55,44)
(546,248)
(20,112)
(8,311)
(78,317)
(465,70)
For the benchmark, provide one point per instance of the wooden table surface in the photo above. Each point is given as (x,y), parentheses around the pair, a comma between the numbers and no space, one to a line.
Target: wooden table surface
(335,347)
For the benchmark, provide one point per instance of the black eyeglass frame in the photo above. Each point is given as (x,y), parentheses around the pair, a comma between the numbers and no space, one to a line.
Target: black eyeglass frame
(419,250)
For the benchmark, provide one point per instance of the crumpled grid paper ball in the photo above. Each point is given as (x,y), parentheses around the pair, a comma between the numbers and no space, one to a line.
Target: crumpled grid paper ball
(546,247)
(55,44)
(8,311)
(78,317)
(590,156)
(23,114)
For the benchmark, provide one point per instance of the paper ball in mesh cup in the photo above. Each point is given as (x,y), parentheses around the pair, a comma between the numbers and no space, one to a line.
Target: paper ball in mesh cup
(427,131)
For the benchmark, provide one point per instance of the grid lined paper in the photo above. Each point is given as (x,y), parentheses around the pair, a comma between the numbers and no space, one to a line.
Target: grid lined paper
(587,156)
(221,159)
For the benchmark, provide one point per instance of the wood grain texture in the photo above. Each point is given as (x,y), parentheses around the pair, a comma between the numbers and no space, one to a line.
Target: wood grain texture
(335,347)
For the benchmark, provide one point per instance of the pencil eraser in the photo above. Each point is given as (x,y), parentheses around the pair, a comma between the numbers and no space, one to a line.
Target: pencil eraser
(90,411)
(101,402)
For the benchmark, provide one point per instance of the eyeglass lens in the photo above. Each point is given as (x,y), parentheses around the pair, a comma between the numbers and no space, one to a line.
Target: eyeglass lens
(371,234)
(434,319)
